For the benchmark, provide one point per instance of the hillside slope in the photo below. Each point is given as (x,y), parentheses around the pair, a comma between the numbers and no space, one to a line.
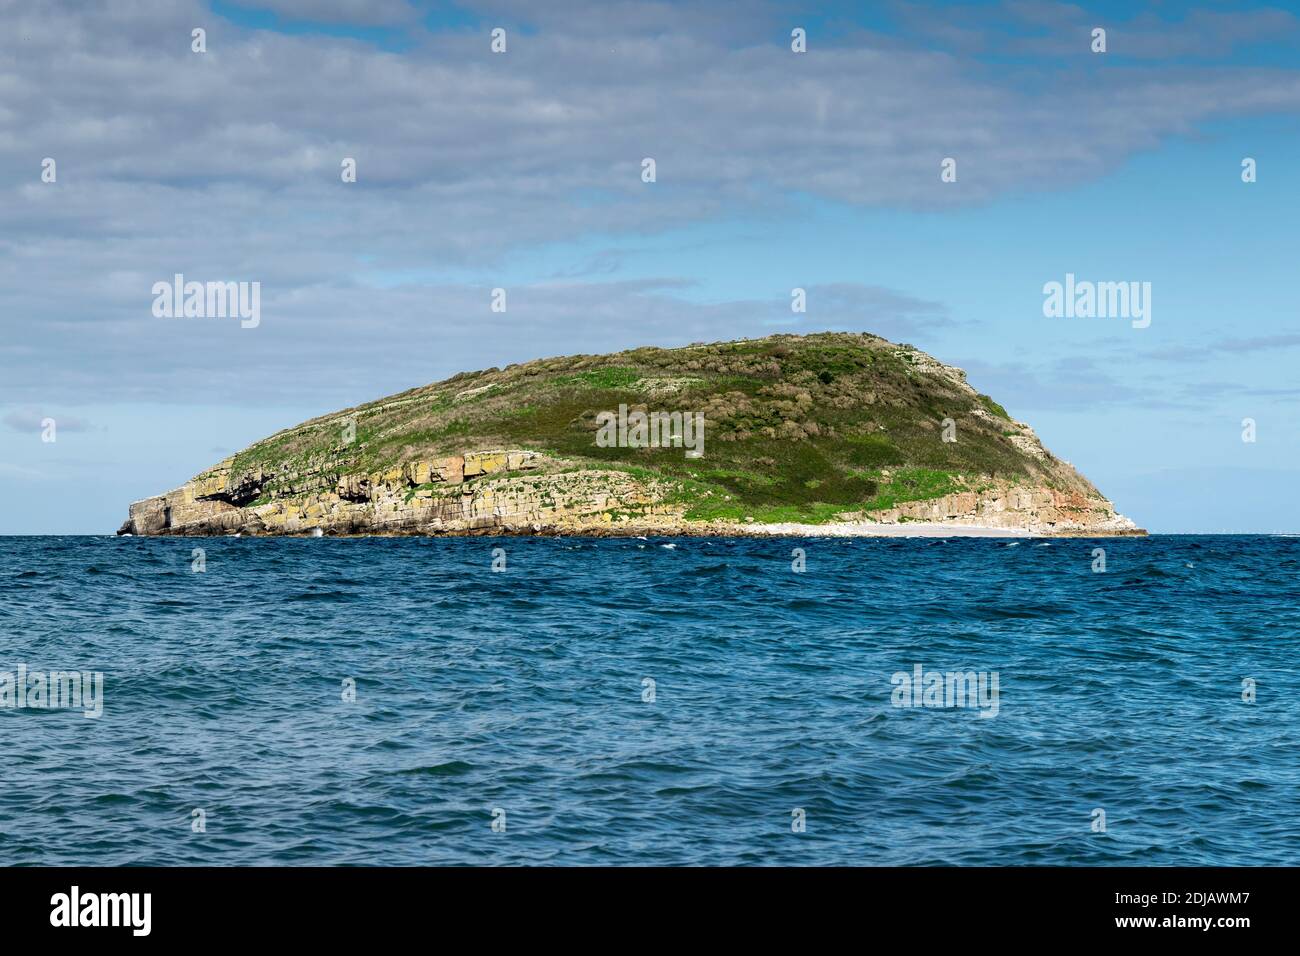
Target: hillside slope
(809,429)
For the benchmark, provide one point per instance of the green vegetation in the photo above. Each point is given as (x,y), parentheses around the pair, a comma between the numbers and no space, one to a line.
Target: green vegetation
(914,484)
(873,450)
(612,377)
(993,406)
(797,428)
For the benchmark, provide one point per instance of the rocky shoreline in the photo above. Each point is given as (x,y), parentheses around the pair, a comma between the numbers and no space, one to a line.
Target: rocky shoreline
(519,492)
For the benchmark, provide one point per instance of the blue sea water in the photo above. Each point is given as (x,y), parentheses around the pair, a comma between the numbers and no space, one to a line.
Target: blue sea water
(524,692)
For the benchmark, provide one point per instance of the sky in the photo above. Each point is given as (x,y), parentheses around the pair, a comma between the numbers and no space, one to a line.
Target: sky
(522,170)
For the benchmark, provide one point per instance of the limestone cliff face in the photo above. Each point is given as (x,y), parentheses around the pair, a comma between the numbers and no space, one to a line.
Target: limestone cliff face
(1047,511)
(476,492)
(572,502)
(500,492)
(836,426)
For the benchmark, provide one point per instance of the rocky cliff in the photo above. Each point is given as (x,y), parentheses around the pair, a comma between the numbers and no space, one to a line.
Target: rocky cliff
(811,429)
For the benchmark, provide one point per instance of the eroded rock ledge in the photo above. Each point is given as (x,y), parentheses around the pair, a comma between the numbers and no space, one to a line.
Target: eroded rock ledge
(524,492)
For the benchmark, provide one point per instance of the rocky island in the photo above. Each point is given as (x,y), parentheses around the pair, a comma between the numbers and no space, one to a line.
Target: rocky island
(842,433)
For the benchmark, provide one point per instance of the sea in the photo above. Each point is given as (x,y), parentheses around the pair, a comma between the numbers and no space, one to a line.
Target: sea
(643,702)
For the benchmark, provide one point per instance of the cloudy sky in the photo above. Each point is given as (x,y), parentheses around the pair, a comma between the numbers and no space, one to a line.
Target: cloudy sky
(522,170)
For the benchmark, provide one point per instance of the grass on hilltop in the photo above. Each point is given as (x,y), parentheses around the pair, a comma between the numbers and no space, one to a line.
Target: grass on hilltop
(798,428)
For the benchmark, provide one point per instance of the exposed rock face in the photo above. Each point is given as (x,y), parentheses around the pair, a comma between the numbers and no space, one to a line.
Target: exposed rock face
(1037,509)
(487,490)
(493,492)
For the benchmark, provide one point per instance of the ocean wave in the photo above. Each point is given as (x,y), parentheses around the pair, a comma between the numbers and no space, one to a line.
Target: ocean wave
(338,701)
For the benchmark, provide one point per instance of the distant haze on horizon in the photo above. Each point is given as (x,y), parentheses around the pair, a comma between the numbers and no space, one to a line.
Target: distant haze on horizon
(774,170)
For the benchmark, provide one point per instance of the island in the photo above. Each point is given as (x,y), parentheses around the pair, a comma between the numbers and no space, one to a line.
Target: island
(827,433)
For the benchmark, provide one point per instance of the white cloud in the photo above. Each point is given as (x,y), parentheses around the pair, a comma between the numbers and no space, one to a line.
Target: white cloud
(31,420)
(364,12)
(344,342)
(225,166)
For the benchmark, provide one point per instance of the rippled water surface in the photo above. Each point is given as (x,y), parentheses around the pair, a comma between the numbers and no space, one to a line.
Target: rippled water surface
(523,691)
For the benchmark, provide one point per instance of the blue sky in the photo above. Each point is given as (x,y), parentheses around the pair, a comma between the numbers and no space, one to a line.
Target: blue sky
(522,170)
